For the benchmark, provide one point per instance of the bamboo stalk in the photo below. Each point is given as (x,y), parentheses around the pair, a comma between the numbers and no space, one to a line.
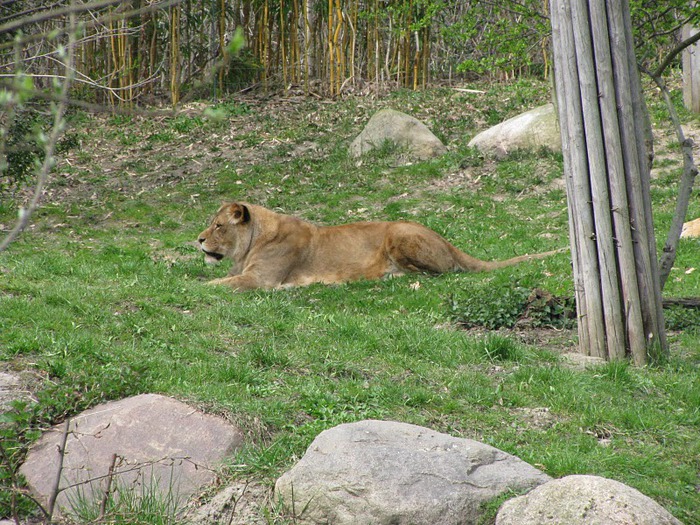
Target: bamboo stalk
(294,42)
(416,61)
(340,55)
(307,46)
(331,51)
(223,55)
(175,55)
(283,56)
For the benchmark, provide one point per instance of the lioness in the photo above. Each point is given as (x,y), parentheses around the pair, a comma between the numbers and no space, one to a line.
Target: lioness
(272,250)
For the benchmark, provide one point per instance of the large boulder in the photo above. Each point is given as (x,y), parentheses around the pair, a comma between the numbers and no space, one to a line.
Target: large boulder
(389,472)
(400,129)
(584,500)
(150,442)
(530,130)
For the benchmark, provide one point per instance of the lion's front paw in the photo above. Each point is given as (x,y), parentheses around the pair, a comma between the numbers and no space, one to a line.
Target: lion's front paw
(215,282)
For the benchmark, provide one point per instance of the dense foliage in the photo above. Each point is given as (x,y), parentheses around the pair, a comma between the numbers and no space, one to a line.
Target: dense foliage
(131,51)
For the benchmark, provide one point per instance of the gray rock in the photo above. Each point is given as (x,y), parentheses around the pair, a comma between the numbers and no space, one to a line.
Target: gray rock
(14,388)
(394,473)
(584,500)
(160,443)
(401,129)
(531,130)
(9,390)
(241,503)
(578,361)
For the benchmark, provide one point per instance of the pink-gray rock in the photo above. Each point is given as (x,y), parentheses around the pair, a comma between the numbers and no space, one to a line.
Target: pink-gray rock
(401,129)
(12,389)
(9,385)
(158,441)
(388,472)
(530,130)
(584,500)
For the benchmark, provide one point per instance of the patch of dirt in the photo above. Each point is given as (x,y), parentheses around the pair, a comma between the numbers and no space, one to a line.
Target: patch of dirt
(540,418)
(464,179)
(556,340)
(241,503)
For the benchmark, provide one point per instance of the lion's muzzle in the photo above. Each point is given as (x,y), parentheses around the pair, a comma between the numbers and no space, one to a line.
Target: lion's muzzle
(210,257)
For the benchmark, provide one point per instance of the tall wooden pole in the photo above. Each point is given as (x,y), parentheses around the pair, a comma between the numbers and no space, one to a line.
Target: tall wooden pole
(604,134)
(691,72)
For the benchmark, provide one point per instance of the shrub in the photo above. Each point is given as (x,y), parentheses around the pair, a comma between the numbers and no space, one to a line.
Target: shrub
(507,307)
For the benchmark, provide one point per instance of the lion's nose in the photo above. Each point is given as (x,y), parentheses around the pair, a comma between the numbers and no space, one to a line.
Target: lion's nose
(201,240)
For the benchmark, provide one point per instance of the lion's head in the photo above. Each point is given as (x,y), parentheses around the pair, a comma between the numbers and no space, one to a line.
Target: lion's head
(223,235)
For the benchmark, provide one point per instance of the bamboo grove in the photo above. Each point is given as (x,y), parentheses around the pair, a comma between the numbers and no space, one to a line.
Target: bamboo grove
(171,50)
(142,49)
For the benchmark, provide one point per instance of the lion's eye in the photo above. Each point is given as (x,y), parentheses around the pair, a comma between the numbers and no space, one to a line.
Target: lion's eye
(217,225)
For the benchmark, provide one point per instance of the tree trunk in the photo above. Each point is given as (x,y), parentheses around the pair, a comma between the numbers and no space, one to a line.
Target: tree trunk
(691,72)
(604,134)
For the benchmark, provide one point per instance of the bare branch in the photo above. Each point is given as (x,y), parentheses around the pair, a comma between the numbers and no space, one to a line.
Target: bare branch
(54,13)
(57,482)
(102,20)
(674,53)
(685,187)
(50,145)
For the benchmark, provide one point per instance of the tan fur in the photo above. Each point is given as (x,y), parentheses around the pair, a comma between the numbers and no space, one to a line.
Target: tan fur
(691,229)
(272,250)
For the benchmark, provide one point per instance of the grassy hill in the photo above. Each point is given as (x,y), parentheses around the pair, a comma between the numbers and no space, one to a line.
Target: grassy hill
(103,296)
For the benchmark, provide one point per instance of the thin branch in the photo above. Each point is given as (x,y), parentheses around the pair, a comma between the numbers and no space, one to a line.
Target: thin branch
(685,186)
(57,482)
(102,20)
(50,146)
(55,13)
(108,490)
(28,12)
(137,467)
(674,53)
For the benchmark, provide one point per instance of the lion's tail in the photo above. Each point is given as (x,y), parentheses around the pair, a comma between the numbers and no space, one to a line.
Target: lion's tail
(468,263)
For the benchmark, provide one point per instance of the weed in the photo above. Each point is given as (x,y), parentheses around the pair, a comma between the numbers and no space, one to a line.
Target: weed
(505,308)
(499,348)
(147,500)
(488,308)
(184,124)
(679,318)
(161,136)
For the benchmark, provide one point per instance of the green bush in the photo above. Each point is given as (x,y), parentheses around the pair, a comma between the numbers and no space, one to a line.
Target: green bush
(508,306)
(679,318)
(489,308)
(23,153)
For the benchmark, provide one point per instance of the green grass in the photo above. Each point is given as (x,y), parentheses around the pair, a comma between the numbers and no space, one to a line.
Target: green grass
(105,298)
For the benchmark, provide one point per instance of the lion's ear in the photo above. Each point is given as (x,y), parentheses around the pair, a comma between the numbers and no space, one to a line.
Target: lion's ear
(238,213)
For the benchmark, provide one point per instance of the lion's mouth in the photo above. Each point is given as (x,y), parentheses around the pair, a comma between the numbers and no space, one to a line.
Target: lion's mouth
(213,255)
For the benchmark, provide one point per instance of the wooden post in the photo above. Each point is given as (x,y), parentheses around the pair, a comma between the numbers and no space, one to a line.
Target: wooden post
(602,118)
(691,72)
